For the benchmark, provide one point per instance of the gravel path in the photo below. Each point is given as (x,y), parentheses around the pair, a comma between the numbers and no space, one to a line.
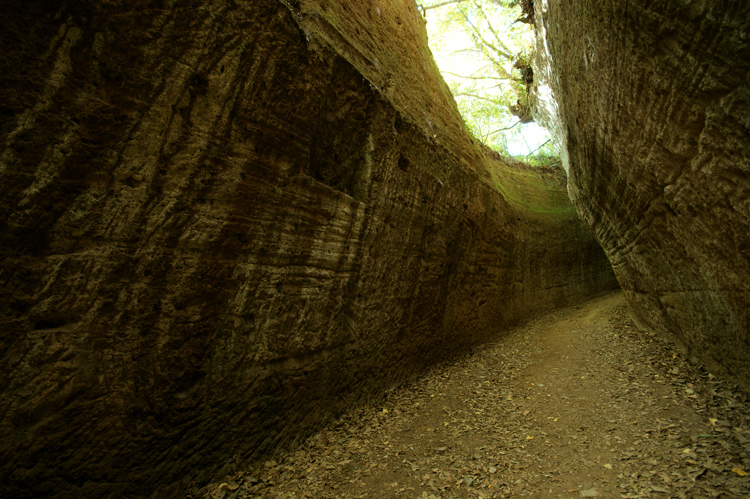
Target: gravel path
(577,403)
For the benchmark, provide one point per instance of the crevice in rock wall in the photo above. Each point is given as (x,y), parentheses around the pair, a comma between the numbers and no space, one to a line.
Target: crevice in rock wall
(341,153)
(223,226)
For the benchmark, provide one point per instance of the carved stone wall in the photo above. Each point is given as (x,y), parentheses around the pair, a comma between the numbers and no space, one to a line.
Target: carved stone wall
(654,110)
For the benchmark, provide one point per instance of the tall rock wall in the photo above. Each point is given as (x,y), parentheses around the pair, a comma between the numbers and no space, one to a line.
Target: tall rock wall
(224,222)
(653,106)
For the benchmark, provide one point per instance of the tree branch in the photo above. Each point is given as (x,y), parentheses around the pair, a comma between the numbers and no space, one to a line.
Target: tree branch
(474,77)
(475,96)
(503,129)
(535,150)
(468,49)
(448,2)
(484,46)
(478,35)
(491,28)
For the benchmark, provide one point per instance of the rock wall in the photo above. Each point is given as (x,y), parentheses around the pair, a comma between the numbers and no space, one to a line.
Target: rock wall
(654,110)
(224,222)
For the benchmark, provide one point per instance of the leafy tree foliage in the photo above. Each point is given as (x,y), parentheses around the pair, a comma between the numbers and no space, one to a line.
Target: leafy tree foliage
(483,48)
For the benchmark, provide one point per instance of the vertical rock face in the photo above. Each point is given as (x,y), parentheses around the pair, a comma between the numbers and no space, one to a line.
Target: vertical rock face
(654,108)
(224,222)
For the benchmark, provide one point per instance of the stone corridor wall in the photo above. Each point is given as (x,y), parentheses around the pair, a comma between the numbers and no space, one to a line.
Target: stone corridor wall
(653,101)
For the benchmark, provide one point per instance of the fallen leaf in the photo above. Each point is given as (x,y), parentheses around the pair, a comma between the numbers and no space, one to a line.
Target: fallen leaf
(529,437)
(385,411)
(608,466)
(739,471)
(712,421)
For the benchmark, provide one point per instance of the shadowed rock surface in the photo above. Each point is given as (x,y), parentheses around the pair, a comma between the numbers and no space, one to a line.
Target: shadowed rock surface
(654,110)
(226,221)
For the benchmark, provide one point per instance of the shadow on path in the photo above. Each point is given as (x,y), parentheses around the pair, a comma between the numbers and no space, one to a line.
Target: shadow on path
(576,403)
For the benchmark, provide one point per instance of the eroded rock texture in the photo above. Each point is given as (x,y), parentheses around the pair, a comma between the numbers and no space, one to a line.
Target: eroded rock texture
(225,221)
(655,113)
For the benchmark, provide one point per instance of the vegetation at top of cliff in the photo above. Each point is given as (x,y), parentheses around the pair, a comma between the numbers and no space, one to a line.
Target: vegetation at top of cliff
(537,184)
(483,49)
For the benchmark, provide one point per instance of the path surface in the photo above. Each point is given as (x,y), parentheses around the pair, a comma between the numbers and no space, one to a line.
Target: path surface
(577,403)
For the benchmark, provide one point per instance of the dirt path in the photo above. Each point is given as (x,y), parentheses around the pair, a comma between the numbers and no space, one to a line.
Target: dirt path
(577,403)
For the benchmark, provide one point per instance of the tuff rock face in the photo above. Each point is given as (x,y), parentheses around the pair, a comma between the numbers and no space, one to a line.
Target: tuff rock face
(224,222)
(653,107)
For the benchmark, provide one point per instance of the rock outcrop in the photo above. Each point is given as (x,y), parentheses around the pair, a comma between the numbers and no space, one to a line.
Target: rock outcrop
(225,222)
(653,106)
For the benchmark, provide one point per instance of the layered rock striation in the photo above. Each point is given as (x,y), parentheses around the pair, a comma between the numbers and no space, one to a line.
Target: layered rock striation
(224,222)
(653,108)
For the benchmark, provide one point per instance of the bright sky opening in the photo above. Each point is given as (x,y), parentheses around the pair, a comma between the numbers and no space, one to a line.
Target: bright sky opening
(474,78)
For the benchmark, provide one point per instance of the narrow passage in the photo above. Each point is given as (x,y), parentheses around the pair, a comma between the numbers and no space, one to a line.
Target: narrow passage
(577,403)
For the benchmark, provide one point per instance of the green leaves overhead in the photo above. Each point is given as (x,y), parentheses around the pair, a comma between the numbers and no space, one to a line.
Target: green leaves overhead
(483,51)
